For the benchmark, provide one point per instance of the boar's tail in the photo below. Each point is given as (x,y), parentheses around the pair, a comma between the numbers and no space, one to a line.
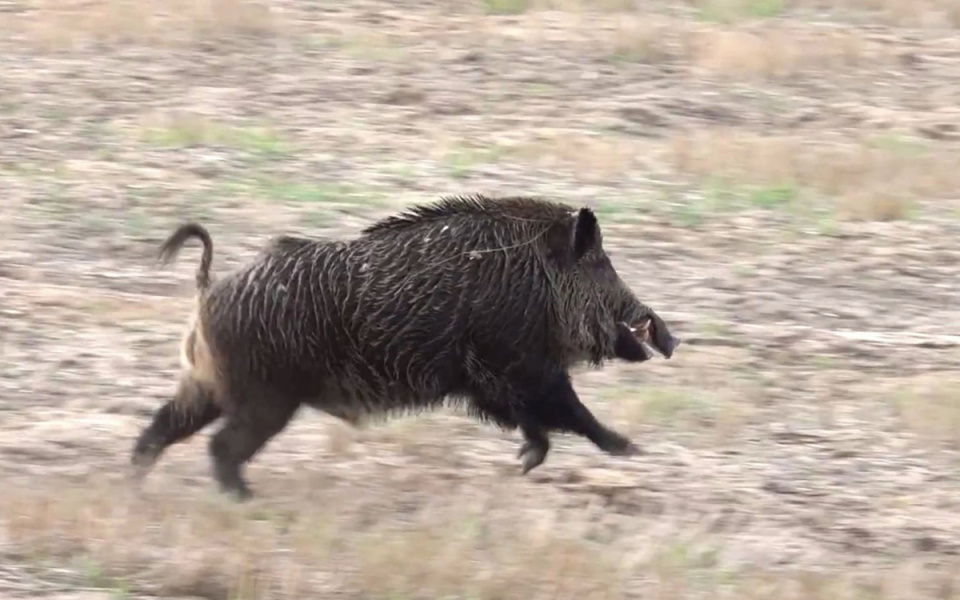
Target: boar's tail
(170,248)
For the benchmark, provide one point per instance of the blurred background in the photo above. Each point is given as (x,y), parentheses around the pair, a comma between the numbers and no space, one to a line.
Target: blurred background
(777,178)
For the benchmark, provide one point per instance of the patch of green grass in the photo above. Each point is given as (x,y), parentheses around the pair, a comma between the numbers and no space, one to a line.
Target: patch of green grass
(724,197)
(94,130)
(931,409)
(403,173)
(677,208)
(764,9)
(727,11)
(106,154)
(540,88)
(317,218)
(461,161)
(899,145)
(139,223)
(774,196)
(261,141)
(365,46)
(826,224)
(823,362)
(666,403)
(661,405)
(306,193)
(640,51)
(713,327)
(195,132)
(720,197)
(687,215)
(55,115)
(622,210)
(681,557)
(317,197)
(95,577)
(507,7)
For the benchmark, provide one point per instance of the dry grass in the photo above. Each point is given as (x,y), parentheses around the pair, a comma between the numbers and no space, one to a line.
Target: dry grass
(911,13)
(870,180)
(197,546)
(748,51)
(593,157)
(464,558)
(930,407)
(205,545)
(67,24)
(777,52)
(650,39)
(45,302)
(201,545)
(515,7)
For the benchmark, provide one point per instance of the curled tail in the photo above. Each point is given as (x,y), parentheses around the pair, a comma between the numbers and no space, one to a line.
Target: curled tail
(170,248)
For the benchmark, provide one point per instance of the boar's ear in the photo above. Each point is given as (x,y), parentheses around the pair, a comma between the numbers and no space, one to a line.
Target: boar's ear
(586,232)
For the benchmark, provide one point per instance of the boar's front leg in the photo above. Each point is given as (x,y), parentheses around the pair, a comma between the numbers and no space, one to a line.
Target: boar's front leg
(558,408)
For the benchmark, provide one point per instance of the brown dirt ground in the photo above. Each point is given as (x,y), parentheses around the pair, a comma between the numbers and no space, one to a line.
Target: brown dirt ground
(777,179)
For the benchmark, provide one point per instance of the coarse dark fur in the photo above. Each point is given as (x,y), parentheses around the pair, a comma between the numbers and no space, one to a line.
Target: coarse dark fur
(485,302)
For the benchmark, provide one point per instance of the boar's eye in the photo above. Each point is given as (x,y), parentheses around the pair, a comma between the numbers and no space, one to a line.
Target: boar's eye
(602,269)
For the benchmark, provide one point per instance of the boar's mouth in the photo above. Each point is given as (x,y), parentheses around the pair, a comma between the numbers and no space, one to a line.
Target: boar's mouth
(631,339)
(634,338)
(640,329)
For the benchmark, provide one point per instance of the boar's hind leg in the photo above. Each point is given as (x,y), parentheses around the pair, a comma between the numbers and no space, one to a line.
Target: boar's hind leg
(175,421)
(559,409)
(251,422)
(494,406)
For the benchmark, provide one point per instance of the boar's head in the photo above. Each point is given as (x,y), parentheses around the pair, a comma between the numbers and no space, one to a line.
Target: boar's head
(607,317)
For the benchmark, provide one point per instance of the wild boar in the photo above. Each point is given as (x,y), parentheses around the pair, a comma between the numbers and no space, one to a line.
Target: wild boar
(476,301)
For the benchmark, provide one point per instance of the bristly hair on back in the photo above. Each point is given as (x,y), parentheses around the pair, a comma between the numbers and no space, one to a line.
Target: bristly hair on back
(524,208)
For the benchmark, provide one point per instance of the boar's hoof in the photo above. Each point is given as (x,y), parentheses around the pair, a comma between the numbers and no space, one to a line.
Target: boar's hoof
(620,446)
(532,455)
(144,456)
(240,492)
(233,485)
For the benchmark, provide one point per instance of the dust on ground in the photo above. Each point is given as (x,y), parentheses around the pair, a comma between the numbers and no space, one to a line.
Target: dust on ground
(777,180)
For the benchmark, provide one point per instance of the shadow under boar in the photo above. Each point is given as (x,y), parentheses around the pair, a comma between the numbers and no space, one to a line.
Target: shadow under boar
(486,302)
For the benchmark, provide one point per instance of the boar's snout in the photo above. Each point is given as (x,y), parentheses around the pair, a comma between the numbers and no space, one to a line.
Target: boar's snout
(658,335)
(632,338)
(639,326)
